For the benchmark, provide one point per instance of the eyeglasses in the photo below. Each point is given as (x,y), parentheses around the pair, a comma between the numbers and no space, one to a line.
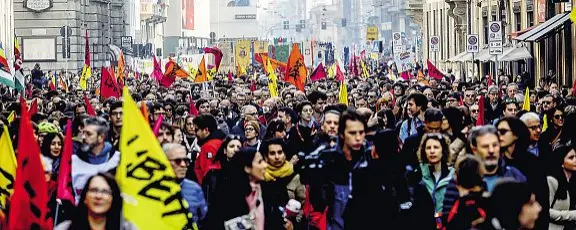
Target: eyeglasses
(179,161)
(559,116)
(249,129)
(534,127)
(469,95)
(546,102)
(474,111)
(102,192)
(503,132)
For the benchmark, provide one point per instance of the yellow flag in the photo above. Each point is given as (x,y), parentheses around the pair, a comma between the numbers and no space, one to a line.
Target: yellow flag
(192,70)
(272,81)
(211,73)
(332,71)
(526,105)
(11,117)
(7,167)
(364,70)
(343,94)
(86,73)
(573,15)
(152,198)
(545,125)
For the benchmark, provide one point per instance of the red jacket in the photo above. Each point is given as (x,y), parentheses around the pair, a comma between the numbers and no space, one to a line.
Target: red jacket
(205,160)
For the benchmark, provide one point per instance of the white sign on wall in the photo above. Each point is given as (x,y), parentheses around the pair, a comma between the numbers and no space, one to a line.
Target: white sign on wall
(38,49)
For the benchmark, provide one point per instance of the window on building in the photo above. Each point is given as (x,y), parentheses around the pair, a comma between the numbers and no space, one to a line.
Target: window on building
(448,35)
(518,21)
(530,19)
(440,19)
(485,23)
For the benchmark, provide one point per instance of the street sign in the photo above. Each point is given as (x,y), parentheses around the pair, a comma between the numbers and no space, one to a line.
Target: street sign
(495,38)
(396,39)
(286,25)
(372,33)
(472,43)
(398,49)
(495,31)
(434,43)
(126,42)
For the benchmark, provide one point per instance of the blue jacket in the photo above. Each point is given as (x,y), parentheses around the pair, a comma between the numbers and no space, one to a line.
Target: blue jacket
(192,193)
(436,189)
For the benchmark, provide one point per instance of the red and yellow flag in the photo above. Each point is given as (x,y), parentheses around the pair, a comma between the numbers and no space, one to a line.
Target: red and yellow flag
(120,74)
(87,70)
(296,72)
(202,74)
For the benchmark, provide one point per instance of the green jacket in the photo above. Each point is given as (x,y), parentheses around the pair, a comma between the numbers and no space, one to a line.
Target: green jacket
(436,190)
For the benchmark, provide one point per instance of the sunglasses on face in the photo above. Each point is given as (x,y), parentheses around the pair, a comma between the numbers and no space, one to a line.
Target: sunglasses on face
(558,116)
(179,161)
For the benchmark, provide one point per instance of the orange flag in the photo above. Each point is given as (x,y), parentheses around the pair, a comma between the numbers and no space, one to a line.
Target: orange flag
(28,209)
(296,72)
(202,75)
(144,110)
(173,69)
(121,76)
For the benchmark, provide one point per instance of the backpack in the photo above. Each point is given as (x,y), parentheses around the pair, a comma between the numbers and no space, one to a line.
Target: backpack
(468,212)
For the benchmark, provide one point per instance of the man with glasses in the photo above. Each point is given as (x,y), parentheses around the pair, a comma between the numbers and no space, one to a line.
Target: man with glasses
(469,97)
(532,121)
(191,191)
(492,104)
(249,113)
(116,114)
(547,104)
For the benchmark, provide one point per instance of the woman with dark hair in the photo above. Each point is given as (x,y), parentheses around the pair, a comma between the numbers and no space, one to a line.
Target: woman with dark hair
(551,136)
(100,207)
(521,210)
(217,176)
(514,140)
(276,129)
(242,201)
(386,119)
(562,189)
(436,174)
(51,150)
(568,135)
(452,125)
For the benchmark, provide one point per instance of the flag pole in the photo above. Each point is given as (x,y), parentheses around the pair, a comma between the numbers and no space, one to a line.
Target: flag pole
(58,203)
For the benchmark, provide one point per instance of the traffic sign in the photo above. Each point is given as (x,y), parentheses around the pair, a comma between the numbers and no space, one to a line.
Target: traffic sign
(398,49)
(472,43)
(434,43)
(372,33)
(495,31)
(396,39)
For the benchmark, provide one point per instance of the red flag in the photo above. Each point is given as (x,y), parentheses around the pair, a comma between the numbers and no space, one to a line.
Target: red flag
(355,67)
(108,85)
(52,86)
(230,77)
(318,74)
(406,75)
(480,120)
(461,102)
(433,71)
(157,125)
(28,205)
(363,54)
(217,55)
(253,86)
(157,73)
(65,190)
(192,110)
(296,72)
(33,107)
(490,82)
(89,108)
(339,74)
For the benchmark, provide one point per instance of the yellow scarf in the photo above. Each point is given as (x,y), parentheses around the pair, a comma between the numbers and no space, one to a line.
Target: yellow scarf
(272,172)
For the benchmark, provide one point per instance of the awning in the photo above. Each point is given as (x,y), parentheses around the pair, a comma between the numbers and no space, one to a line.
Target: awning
(515,54)
(456,58)
(483,55)
(549,26)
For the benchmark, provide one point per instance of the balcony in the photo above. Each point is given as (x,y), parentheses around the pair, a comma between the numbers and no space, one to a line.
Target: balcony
(415,10)
(155,13)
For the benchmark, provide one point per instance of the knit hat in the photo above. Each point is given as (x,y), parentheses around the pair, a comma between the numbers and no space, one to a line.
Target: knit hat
(254,125)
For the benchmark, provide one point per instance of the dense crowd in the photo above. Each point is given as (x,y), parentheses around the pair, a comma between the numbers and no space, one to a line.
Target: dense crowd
(422,153)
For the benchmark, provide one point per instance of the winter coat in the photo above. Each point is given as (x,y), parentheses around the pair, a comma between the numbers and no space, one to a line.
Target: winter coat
(436,189)
(192,193)
(457,149)
(85,165)
(560,212)
(536,178)
(205,160)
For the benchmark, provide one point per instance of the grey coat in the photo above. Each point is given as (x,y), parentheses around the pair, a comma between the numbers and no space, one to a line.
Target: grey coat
(560,212)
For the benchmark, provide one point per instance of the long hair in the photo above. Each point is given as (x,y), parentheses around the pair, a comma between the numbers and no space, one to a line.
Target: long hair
(521,131)
(45,148)
(114,215)
(557,171)
(444,143)
(220,155)
(238,177)
(274,126)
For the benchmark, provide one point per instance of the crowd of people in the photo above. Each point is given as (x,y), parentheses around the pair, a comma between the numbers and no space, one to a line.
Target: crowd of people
(421,153)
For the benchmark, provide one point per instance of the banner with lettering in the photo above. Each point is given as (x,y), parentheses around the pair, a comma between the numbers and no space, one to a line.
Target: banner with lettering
(404,61)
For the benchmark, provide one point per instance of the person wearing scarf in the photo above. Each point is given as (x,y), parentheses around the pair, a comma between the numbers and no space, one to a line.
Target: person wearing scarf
(280,173)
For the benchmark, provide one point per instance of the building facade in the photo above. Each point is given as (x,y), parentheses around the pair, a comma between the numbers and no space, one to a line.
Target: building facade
(232,19)
(39,24)
(188,27)
(7,28)
(538,37)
